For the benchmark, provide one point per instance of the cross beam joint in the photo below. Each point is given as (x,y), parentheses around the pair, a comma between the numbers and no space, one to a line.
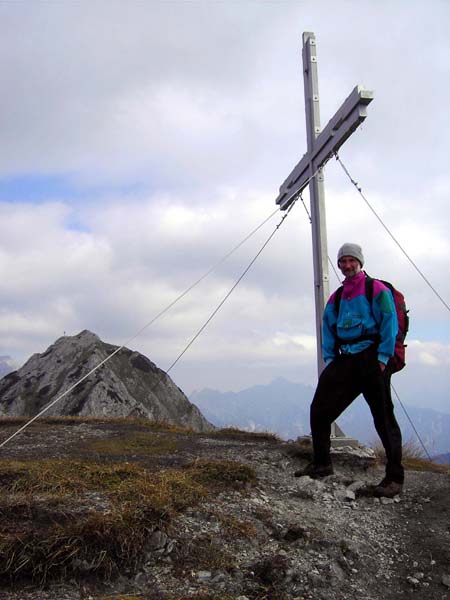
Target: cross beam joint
(340,127)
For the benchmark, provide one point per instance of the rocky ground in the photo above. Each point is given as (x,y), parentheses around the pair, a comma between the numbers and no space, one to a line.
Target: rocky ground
(280,538)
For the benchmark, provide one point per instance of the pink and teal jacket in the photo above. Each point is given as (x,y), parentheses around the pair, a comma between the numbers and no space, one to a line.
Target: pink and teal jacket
(357,318)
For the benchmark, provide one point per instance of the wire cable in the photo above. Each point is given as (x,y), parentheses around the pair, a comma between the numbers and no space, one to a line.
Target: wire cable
(306,210)
(162,312)
(355,183)
(334,269)
(224,299)
(411,423)
(222,302)
(358,187)
(410,260)
(155,318)
(228,294)
(110,356)
(310,222)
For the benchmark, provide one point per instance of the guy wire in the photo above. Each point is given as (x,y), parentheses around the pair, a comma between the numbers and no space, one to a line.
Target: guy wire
(411,423)
(58,398)
(417,269)
(228,294)
(355,183)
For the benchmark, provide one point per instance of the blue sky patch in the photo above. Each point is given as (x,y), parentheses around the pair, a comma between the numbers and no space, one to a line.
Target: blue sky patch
(36,188)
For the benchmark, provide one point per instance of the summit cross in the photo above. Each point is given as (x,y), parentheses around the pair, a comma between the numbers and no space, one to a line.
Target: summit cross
(321,144)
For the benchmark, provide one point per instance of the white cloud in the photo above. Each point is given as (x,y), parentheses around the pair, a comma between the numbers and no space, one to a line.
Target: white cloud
(175,124)
(429,354)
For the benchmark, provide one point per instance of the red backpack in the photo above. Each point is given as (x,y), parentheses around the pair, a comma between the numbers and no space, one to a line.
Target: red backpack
(396,362)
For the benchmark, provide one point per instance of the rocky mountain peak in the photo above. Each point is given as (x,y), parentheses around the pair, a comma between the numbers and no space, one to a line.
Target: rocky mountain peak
(129,384)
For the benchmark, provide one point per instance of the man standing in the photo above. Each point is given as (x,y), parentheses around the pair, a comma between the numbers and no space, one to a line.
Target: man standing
(358,341)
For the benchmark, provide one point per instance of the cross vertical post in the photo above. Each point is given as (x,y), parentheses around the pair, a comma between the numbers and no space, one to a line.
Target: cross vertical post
(316,188)
(321,145)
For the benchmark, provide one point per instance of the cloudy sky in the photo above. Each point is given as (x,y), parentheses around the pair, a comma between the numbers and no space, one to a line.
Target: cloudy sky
(141,141)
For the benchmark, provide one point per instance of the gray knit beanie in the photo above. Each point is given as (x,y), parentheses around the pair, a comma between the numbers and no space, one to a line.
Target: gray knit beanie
(351,250)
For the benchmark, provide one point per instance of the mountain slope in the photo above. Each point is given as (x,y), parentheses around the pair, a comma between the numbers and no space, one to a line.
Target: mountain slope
(129,384)
(281,407)
(442,459)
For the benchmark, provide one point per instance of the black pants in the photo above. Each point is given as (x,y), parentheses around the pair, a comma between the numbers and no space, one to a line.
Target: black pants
(339,384)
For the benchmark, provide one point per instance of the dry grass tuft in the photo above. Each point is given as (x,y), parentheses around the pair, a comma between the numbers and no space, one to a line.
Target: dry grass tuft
(234,526)
(220,473)
(203,552)
(63,477)
(74,518)
(413,458)
(234,432)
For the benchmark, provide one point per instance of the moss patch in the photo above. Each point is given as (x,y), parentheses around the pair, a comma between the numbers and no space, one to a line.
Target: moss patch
(413,458)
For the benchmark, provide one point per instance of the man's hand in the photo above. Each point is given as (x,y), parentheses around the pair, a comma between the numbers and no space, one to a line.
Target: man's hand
(382,366)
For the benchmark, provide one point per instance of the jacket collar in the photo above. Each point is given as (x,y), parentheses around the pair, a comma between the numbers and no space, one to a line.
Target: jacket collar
(354,281)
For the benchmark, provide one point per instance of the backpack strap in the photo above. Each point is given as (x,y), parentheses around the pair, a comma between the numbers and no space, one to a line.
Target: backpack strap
(369,288)
(337,299)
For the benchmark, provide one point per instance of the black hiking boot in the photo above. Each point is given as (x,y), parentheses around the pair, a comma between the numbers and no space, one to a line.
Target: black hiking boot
(315,471)
(387,489)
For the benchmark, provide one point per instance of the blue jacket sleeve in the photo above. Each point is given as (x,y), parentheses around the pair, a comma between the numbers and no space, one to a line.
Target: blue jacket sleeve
(329,331)
(383,308)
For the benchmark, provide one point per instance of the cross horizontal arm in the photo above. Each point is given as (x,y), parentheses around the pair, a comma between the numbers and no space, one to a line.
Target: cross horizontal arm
(347,118)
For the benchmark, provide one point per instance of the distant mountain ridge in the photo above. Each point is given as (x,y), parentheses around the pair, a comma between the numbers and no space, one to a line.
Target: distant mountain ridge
(128,384)
(442,459)
(283,408)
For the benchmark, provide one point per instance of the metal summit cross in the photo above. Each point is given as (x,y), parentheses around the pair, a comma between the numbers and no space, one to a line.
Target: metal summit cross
(321,146)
